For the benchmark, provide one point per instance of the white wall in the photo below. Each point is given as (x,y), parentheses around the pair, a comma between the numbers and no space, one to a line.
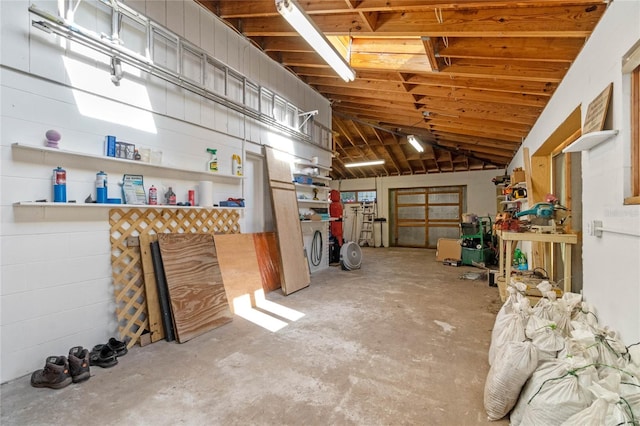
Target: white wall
(481,192)
(610,264)
(55,280)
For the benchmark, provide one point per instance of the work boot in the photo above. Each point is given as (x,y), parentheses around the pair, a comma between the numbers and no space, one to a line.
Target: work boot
(55,374)
(79,364)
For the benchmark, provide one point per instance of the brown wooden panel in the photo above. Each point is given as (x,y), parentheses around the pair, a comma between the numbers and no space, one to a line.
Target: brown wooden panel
(196,291)
(295,272)
(239,266)
(268,255)
(150,288)
(279,167)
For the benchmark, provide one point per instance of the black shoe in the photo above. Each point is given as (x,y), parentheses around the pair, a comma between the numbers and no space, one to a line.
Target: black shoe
(79,364)
(120,348)
(102,356)
(54,375)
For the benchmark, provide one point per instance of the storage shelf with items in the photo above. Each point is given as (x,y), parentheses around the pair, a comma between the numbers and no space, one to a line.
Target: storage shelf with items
(312,193)
(137,163)
(312,190)
(82,162)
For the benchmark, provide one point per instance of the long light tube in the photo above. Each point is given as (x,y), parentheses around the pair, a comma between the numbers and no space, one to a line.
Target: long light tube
(291,11)
(365,163)
(415,143)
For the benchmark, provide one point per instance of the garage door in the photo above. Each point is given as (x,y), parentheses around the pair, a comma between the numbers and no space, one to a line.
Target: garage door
(421,216)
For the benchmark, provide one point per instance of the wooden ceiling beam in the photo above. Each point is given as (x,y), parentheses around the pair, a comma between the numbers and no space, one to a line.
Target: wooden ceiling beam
(266,8)
(568,21)
(475,132)
(537,88)
(363,93)
(359,83)
(544,49)
(462,94)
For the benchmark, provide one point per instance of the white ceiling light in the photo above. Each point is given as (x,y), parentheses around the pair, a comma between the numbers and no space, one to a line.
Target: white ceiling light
(296,17)
(415,143)
(365,163)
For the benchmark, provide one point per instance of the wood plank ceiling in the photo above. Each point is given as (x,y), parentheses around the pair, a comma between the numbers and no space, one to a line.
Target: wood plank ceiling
(469,78)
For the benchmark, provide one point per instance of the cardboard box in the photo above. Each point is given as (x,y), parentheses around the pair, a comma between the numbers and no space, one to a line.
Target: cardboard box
(448,248)
(517,176)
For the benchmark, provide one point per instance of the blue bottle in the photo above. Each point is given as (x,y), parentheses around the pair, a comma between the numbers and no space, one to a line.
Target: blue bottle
(101,187)
(59,185)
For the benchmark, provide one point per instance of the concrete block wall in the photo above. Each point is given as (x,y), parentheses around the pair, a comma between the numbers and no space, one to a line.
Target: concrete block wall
(55,276)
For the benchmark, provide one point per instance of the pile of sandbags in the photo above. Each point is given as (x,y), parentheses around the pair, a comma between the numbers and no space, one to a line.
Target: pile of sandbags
(553,364)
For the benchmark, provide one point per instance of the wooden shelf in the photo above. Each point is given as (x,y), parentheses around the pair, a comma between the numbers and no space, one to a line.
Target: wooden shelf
(200,174)
(308,201)
(303,163)
(108,205)
(519,200)
(589,140)
(304,185)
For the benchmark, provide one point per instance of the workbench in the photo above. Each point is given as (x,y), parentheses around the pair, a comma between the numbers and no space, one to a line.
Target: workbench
(510,239)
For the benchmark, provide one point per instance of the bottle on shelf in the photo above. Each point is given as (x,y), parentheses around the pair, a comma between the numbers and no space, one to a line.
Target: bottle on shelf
(170,197)
(236,165)
(59,185)
(153,196)
(101,187)
(212,165)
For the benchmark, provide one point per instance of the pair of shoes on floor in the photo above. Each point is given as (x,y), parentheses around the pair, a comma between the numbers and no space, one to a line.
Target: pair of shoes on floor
(60,371)
(106,355)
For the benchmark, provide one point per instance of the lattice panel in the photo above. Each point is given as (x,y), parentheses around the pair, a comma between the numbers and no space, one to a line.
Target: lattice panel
(128,279)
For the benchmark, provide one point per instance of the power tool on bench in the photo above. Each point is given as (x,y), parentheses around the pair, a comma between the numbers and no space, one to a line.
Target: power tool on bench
(542,217)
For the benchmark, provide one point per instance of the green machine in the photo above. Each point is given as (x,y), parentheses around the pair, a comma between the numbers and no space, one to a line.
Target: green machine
(477,241)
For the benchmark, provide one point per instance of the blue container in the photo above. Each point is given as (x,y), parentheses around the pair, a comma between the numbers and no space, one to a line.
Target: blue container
(59,185)
(101,187)
(110,146)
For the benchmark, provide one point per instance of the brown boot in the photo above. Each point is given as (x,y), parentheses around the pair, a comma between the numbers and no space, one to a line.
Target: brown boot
(79,364)
(55,374)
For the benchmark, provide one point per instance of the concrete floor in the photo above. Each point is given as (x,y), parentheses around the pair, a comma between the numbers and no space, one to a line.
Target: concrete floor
(402,341)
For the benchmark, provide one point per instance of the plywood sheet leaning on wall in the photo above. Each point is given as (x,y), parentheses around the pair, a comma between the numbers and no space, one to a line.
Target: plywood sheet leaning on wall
(198,299)
(294,267)
(295,270)
(268,255)
(240,269)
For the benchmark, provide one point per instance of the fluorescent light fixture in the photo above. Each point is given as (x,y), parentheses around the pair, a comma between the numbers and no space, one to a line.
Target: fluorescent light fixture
(365,163)
(415,143)
(299,20)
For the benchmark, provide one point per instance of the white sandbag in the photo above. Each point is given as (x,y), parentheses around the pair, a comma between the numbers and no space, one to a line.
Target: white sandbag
(562,312)
(549,369)
(611,351)
(509,326)
(545,306)
(545,335)
(582,343)
(546,369)
(558,399)
(515,363)
(592,415)
(585,313)
(610,408)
